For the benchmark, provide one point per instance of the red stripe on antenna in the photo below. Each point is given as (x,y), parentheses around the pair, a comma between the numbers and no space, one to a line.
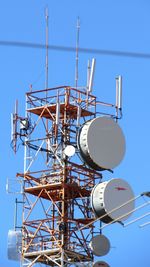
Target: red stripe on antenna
(120,188)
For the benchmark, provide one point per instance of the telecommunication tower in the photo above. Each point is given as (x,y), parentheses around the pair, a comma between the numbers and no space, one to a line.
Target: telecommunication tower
(65,151)
(69,140)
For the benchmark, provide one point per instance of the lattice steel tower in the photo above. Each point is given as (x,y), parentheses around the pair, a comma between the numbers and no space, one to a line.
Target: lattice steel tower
(56,183)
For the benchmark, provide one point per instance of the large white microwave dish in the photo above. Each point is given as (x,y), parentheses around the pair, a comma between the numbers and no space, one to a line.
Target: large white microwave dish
(112,200)
(101,143)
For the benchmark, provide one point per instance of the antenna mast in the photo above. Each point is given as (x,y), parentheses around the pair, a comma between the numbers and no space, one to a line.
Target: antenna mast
(77,52)
(46,63)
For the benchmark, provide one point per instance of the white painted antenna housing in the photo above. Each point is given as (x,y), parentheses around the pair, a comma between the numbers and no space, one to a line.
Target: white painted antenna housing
(119,92)
(92,74)
(57,112)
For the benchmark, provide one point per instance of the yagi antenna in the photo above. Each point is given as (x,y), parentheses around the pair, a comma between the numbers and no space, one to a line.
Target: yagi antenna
(92,75)
(77,52)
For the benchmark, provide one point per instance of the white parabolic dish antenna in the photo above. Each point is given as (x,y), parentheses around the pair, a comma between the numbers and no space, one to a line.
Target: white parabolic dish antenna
(101,143)
(100,245)
(100,264)
(109,198)
(69,150)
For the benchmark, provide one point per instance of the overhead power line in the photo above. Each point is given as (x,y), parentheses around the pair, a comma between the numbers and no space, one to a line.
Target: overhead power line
(81,49)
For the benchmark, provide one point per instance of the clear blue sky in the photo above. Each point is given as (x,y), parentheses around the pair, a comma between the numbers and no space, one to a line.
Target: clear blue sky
(111,25)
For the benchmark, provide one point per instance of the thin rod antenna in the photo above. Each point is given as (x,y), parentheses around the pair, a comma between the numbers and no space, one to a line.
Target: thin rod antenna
(77,52)
(119,218)
(137,219)
(115,209)
(144,224)
(46,63)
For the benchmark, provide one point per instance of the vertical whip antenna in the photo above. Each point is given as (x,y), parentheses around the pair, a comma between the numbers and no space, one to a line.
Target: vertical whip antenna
(46,63)
(46,67)
(77,52)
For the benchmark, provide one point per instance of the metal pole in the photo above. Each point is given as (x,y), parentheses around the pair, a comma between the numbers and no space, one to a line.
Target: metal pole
(77,52)
(46,70)
(15,216)
(46,64)
(26,162)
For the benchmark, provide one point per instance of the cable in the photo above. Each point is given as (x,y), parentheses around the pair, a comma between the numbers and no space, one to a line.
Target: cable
(106,52)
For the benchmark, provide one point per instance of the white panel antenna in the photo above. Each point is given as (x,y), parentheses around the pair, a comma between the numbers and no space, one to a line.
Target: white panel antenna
(92,74)
(57,112)
(14,245)
(12,127)
(88,73)
(119,92)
